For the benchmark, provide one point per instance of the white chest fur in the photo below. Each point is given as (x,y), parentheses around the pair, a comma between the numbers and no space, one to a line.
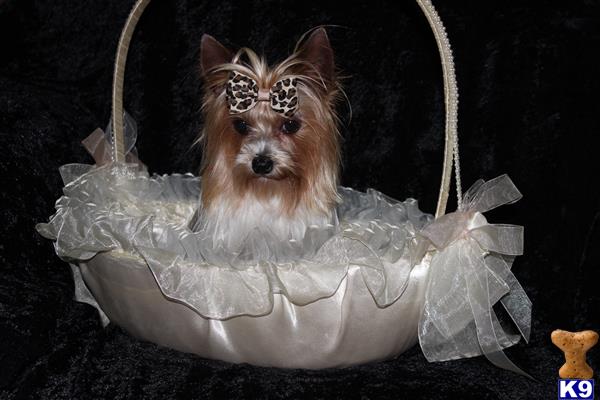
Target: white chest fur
(231,224)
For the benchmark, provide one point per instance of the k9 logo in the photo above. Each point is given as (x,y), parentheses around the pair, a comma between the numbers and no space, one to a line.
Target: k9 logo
(576,389)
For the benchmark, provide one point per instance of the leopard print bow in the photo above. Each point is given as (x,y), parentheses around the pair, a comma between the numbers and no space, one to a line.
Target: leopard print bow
(242,93)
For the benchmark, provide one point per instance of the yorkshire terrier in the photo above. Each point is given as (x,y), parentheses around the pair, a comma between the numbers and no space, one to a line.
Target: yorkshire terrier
(271,145)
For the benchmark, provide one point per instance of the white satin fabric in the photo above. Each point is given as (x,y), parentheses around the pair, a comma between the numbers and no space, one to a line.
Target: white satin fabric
(344,329)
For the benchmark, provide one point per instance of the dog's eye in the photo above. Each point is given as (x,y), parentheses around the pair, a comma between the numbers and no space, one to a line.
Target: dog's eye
(290,126)
(240,126)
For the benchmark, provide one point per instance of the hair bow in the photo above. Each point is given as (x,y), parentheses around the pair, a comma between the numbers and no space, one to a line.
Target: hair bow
(242,93)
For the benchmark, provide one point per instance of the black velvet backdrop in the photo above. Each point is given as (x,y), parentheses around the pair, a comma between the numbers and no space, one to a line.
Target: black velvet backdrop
(529,80)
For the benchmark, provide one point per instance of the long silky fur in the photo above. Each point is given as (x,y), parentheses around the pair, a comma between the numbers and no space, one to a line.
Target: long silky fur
(303,191)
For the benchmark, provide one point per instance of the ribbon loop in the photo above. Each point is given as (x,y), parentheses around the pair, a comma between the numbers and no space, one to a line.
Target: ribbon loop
(485,196)
(502,239)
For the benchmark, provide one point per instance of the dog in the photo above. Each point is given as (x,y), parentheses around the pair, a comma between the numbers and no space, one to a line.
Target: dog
(271,144)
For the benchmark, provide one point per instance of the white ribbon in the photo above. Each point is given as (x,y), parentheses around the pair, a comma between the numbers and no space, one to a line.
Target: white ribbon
(470,272)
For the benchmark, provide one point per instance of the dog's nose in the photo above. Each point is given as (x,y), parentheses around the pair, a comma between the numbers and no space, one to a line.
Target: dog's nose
(262,165)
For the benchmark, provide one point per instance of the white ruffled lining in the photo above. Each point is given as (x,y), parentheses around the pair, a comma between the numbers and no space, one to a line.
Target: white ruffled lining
(122,208)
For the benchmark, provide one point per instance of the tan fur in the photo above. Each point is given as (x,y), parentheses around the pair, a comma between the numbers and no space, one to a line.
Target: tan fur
(311,178)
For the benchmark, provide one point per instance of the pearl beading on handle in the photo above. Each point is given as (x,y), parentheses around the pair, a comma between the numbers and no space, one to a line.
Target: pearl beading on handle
(451,154)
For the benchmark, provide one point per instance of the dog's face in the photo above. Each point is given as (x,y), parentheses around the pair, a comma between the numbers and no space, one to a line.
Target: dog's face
(262,153)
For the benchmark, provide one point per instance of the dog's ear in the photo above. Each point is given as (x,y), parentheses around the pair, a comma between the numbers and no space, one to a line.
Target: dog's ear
(213,53)
(317,51)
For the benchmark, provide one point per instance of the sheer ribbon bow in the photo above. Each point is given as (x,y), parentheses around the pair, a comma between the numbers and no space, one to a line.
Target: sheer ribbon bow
(470,272)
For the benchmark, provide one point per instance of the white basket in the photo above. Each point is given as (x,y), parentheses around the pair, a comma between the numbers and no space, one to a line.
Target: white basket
(348,326)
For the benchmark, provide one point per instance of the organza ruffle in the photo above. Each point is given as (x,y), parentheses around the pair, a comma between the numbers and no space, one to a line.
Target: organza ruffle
(122,208)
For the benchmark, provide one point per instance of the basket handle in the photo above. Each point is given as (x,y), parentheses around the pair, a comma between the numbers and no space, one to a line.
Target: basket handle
(118,150)
(451,156)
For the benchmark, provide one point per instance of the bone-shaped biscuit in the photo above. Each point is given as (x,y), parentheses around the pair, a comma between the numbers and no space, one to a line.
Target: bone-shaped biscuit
(575,345)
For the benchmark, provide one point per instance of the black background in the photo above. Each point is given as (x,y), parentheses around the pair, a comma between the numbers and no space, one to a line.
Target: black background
(529,83)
